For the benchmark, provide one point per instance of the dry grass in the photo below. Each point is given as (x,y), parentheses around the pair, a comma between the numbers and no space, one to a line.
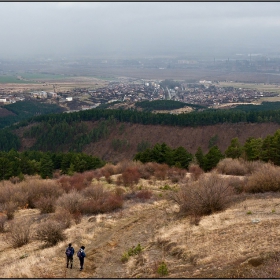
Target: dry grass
(219,245)
(266,179)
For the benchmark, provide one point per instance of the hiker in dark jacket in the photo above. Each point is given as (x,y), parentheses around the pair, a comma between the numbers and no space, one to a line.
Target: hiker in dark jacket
(81,255)
(69,255)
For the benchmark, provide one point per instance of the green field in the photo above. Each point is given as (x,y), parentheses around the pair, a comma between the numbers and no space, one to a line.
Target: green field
(42,76)
(255,86)
(13,80)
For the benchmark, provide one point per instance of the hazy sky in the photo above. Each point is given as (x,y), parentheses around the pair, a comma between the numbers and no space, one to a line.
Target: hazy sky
(137,28)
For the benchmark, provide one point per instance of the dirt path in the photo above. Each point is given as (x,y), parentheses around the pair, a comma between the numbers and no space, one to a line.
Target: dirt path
(119,232)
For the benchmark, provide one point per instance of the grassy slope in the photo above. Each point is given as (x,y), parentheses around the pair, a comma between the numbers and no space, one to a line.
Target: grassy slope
(220,246)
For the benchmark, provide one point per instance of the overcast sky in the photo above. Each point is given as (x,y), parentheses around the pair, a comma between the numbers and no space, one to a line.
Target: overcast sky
(137,28)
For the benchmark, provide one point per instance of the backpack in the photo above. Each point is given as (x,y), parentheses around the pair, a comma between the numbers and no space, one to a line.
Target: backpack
(69,252)
(79,254)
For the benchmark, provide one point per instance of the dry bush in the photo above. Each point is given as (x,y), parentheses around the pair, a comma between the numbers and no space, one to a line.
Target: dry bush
(9,209)
(160,172)
(207,195)
(237,183)
(46,204)
(124,164)
(196,171)
(3,220)
(64,182)
(144,172)
(130,176)
(13,193)
(19,233)
(176,174)
(231,166)
(100,201)
(108,169)
(266,179)
(15,179)
(148,169)
(89,175)
(94,192)
(254,166)
(97,174)
(37,188)
(63,217)
(70,201)
(56,174)
(144,194)
(50,232)
(78,181)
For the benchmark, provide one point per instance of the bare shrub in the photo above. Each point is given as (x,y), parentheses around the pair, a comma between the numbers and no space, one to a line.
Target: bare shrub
(196,171)
(160,172)
(105,203)
(231,166)
(266,179)
(130,176)
(125,164)
(15,179)
(176,174)
(78,181)
(19,233)
(144,194)
(3,219)
(254,166)
(37,188)
(9,209)
(46,204)
(70,201)
(100,201)
(50,232)
(89,175)
(64,182)
(12,193)
(237,183)
(95,192)
(56,174)
(108,169)
(63,217)
(207,195)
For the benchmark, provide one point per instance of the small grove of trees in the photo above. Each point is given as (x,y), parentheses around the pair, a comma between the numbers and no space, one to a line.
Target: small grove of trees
(267,150)
(17,164)
(161,153)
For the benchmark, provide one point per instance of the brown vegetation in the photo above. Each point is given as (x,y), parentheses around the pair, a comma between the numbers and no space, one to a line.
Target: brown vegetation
(223,230)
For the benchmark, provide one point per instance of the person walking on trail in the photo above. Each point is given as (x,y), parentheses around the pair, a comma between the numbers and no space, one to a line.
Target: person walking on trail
(81,255)
(69,255)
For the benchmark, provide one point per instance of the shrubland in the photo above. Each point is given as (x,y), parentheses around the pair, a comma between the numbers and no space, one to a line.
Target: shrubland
(64,202)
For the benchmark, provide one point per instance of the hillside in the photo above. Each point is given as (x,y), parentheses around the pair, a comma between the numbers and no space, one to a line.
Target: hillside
(122,140)
(238,242)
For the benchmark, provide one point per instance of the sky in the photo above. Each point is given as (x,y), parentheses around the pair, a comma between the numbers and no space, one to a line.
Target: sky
(135,29)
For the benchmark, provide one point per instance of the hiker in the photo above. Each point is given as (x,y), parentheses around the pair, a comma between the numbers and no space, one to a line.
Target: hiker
(69,255)
(81,255)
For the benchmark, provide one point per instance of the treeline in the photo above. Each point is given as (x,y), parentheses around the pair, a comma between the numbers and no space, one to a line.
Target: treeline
(267,150)
(206,117)
(180,157)
(18,164)
(26,109)
(164,105)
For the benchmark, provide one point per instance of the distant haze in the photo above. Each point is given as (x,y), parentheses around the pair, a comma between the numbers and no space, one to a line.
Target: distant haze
(134,29)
